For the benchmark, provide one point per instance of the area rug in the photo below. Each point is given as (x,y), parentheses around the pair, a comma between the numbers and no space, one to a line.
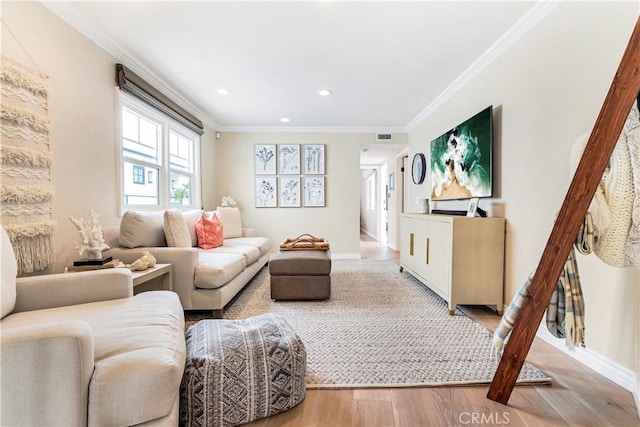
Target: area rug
(381,328)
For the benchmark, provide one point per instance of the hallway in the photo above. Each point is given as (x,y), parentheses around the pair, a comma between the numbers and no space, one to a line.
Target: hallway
(372,249)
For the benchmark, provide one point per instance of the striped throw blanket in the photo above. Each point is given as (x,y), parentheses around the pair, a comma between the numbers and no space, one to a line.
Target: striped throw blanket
(586,236)
(565,313)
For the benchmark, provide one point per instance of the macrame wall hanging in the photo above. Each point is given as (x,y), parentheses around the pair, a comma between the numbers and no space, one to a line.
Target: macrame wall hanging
(26,160)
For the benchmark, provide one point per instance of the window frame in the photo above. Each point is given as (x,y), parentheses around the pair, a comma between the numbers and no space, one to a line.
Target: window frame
(167,124)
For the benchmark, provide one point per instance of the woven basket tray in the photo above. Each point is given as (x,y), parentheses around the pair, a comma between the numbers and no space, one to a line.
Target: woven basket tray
(304,242)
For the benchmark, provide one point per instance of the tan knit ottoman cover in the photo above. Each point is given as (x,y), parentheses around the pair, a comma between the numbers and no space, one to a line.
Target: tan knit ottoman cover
(238,371)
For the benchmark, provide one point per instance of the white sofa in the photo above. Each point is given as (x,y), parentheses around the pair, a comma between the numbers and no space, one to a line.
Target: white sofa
(79,349)
(204,279)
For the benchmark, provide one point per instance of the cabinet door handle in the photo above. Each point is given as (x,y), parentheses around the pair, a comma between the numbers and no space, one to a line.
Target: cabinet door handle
(427,251)
(411,244)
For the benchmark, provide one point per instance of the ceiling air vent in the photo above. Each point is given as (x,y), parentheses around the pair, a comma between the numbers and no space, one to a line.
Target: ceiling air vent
(384,137)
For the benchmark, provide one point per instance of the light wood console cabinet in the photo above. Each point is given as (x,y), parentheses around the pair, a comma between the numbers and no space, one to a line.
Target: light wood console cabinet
(459,258)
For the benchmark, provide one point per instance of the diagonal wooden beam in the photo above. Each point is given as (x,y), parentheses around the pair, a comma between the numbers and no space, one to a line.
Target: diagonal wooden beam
(623,91)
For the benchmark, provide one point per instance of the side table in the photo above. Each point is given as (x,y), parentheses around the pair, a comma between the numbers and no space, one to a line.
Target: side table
(164,270)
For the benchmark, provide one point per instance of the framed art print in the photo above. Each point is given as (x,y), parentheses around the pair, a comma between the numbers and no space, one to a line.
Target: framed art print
(266,192)
(289,159)
(264,157)
(473,207)
(313,158)
(314,190)
(289,191)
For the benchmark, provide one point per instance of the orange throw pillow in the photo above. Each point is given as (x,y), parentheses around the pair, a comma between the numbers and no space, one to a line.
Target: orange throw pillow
(209,232)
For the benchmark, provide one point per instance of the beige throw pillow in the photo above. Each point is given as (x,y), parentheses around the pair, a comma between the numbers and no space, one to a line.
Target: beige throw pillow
(192,217)
(231,222)
(142,229)
(176,230)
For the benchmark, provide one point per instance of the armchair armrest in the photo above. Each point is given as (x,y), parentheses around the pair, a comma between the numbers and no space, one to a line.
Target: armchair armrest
(57,395)
(58,290)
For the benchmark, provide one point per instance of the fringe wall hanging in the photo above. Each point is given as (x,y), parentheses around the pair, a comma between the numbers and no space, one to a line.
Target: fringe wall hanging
(26,190)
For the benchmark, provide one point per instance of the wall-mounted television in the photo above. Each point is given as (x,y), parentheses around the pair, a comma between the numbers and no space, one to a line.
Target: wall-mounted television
(461,160)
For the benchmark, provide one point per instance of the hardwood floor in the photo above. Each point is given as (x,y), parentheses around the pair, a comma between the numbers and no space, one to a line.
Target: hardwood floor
(578,396)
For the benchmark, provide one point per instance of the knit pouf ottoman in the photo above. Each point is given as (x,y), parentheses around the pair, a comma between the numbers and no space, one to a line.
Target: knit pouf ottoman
(238,371)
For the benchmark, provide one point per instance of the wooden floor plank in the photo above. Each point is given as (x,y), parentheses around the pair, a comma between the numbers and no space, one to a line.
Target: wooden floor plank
(473,407)
(533,409)
(382,394)
(423,407)
(372,413)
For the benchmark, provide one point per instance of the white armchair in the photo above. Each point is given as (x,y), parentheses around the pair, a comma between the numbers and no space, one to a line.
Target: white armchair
(80,349)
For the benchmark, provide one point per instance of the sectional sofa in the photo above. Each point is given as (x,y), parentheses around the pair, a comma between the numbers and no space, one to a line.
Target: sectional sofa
(204,279)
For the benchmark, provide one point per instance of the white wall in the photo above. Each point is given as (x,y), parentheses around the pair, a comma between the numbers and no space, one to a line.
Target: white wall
(547,90)
(338,221)
(369,217)
(82,111)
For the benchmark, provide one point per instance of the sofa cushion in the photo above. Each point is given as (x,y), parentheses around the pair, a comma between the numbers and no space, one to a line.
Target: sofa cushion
(231,221)
(139,353)
(142,229)
(209,232)
(251,253)
(217,269)
(262,243)
(7,275)
(191,217)
(176,230)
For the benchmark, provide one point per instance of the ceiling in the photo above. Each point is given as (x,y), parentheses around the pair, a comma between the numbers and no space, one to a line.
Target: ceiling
(385,62)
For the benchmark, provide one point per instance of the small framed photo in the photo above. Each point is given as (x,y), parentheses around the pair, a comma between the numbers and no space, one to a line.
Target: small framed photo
(313,157)
(266,192)
(289,191)
(289,159)
(314,190)
(264,157)
(473,207)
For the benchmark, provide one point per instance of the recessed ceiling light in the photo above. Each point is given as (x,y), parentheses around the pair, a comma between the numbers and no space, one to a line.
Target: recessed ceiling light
(285,119)
(223,91)
(324,92)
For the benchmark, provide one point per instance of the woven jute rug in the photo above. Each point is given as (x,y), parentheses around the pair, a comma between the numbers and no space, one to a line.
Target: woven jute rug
(381,328)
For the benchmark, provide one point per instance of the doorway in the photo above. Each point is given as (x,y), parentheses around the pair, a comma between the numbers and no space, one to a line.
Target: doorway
(382,188)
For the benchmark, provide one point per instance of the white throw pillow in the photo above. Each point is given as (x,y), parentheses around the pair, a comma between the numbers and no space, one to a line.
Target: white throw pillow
(176,230)
(231,222)
(192,217)
(142,229)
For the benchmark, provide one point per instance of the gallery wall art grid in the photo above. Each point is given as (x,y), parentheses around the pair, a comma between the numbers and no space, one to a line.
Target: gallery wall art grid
(289,175)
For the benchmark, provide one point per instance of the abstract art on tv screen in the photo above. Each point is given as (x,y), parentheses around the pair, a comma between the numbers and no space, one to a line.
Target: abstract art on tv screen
(461,160)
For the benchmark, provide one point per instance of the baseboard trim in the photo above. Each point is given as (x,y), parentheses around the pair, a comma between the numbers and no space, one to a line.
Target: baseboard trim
(345,255)
(611,370)
(373,236)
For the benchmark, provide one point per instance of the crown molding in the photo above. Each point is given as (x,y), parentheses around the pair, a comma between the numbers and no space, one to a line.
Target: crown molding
(530,19)
(68,13)
(311,129)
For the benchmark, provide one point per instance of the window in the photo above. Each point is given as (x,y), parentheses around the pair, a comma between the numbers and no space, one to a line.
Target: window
(138,174)
(160,159)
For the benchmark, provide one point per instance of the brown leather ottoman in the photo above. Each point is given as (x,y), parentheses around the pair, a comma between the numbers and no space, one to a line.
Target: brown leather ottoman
(300,275)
